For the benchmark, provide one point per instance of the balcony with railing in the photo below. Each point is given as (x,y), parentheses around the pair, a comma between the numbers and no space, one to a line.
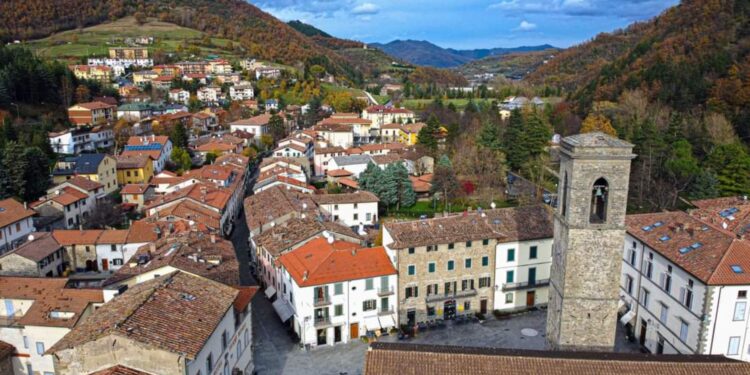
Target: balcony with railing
(531,284)
(451,295)
(322,321)
(385,291)
(387,310)
(322,300)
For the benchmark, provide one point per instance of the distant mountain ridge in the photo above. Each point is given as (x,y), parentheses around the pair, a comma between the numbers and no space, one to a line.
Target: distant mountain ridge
(422,52)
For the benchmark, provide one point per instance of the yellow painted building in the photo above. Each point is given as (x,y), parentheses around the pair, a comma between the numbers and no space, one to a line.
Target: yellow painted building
(100,168)
(137,169)
(99,73)
(408,133)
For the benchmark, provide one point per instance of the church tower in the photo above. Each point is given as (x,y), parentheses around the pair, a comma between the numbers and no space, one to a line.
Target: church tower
(589,235)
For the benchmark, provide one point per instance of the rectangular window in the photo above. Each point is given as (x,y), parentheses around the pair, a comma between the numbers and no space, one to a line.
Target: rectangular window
(468,243)
(739,310)
(224,341)
(511,255)
(369,284)
(629,284)
(684,330)
(451,265)
(412,269)
(431,248)
(430,310)
(26,342)
(509,276)
(451,246)
(485,261)
(485,282)
(209,364)
(355,217)
(411,250)
(338,289)
(509,298)
(369,304)
(664,313)
(40,348)
(467,306)
(532,252)
(485,242)
(338,310)
(734,345)
(644,297)
(631,256)
(431,267)
(467,263)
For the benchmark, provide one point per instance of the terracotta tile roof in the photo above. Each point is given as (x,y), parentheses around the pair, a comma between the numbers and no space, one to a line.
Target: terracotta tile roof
(135,189)
(119,370)
(177,312)
(419,185)
(139,141)
(275,203)
(192,211)
(49,295)
(133,160)
(153,154)
(11,212)
(320,262)
(293,146)
(522,223)
(692,245)
(346,120)
(348,182)
(245,297)
(84,183)
(192,252)
(268,180)
(414,127)
(444,230)
(391,126)
(215,146)
(200,193)
(734,268)
(42,246)
(113,236)
(398,359)
(68,195)
(68,237)
(260,120)
(297,231)
(386,159)
(211,172)
(357,197)
(730,213)
(141,232)
(281,160)
(339,173)
(332,127)
(329,150)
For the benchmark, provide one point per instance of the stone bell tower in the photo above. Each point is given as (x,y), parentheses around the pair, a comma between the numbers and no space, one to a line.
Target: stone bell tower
(589,235)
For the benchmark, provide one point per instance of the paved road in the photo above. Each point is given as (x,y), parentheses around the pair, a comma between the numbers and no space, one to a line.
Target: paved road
(240,235)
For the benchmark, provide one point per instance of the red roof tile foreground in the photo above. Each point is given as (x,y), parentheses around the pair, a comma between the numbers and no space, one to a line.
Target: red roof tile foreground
(401,359)
(12,211)
(176,312)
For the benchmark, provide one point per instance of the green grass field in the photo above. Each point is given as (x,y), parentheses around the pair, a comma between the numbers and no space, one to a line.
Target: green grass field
(96,40)
(419,104)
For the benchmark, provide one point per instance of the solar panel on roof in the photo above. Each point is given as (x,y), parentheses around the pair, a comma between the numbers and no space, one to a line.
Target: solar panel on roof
(148,147)
(696,245)
(658,224)
(737,269)
(647,228)
(664,238)
(685,250)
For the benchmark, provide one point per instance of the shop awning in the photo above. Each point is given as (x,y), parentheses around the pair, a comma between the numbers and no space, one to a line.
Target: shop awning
(628,317)
(372,323)
(270,291)
(387,321)
(284,309)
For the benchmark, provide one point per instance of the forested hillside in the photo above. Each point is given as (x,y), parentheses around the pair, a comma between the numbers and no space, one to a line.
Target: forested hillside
(678,87)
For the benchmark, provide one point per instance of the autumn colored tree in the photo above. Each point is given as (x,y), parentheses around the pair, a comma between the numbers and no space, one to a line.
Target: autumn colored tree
(598,123)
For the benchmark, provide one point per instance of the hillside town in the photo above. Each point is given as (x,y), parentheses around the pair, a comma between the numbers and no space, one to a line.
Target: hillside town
(208,205)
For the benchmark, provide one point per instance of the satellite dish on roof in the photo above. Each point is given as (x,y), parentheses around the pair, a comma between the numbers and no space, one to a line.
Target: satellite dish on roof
(191,223)
(724,224)
(31,237)
(330,240)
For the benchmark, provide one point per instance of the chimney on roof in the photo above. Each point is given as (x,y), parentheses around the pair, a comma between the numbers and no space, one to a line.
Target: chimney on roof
(354,252)
(151,247)
(304,276)
(80,227)
(25,206)
(213,238)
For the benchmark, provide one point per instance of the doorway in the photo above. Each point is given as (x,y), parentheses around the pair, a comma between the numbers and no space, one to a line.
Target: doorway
(336,334)
(411,317)
(644,329)
(354,331)
(105,264)
(530,298)
(322,337)
(449,309)
(660,345)
(483,306)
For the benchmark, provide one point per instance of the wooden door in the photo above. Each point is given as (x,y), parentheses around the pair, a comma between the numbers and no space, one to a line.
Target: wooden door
(644,329)
(105,264)
(354,331)
(483,306)
(530,298)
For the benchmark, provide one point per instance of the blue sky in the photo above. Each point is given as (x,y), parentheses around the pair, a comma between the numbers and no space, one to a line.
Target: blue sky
(467,24)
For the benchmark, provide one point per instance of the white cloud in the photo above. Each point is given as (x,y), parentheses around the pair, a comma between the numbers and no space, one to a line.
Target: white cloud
(525,26)
(365,9)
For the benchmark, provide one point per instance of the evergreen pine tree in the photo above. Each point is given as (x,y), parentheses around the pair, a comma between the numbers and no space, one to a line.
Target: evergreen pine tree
(427,135)
(515,141)
(36,175)
(489,136)
(538,135)
(179,136)
(704,186)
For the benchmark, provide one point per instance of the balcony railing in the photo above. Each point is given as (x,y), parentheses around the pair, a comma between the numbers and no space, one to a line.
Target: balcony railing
(525,285)
(387,291)
(322,300)
(386,311)
(322,321)
(452,295)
